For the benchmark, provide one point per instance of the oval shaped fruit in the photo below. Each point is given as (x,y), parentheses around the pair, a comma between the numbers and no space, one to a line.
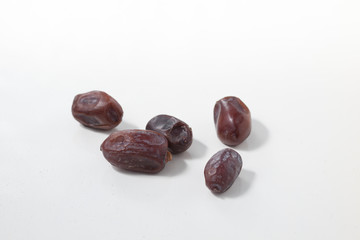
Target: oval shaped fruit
(97,109)
(137,150)
(222,170)
(177,132)
(232,120)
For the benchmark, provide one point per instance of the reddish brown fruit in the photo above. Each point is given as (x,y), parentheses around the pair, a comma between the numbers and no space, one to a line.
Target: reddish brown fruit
(177,132)
(137,150)
(97,109)
(232,120)
(222,170)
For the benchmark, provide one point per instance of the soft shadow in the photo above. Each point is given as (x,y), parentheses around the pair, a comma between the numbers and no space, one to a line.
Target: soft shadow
(123,171)
(126,125)
(122,126)
(197,149)
(258,137)
(176,166)
(241,185)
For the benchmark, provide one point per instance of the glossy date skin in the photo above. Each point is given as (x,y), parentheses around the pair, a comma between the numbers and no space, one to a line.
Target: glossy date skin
(137,150)
(232,120)
(97,109)
(177,132)
(222,170)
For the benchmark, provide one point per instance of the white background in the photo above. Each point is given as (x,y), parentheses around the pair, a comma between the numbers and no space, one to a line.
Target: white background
(294,63)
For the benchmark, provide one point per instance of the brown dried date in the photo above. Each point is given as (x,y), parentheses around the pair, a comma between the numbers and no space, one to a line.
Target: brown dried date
(97,109)
(222,170)
(137,150)
(177,132)
(232,120)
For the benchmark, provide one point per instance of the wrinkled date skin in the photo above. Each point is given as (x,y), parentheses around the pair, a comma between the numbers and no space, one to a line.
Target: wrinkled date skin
(97,109)
(137,150)
(177,132)
(232,120)
(222,170)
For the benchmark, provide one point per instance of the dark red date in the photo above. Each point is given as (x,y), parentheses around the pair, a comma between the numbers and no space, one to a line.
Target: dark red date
(177,132)
(137,150)
(232,120)
(222,170)
(97,109)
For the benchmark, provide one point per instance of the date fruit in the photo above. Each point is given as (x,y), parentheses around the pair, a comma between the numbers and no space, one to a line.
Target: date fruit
(97,109)
(232,120)
(222,170)
(177,132)
(137,150)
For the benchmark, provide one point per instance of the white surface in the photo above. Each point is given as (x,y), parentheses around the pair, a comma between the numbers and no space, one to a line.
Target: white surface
(294,63)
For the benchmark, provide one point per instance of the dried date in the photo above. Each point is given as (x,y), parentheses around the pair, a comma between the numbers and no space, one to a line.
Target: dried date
(137,150)
(232,120)
(97,109)
(222,170)
(177,132)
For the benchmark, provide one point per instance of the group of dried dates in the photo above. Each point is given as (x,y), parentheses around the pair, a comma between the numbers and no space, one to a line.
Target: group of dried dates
(149,150)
